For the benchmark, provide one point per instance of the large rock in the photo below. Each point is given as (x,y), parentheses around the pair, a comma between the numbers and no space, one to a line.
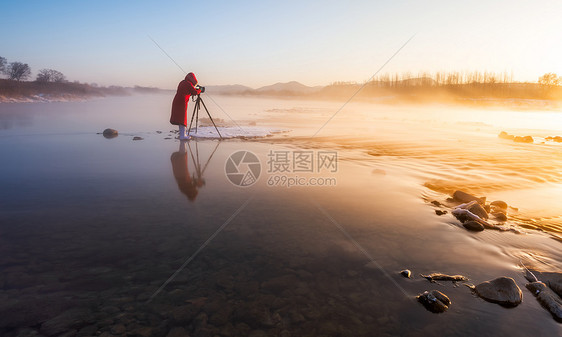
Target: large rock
(549,300)
(478,210)
(502,290)
(464,197)
(499,204)
(434,301)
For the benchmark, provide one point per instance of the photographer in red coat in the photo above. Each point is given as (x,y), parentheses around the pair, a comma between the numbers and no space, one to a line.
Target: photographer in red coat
(186,88)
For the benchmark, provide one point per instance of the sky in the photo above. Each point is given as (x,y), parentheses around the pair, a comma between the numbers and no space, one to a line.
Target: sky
(257,43)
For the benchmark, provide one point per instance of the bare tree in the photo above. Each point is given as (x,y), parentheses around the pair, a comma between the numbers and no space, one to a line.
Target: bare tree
(549,79)
(43,76)
(50,75)
(57,76)
(3,65)
(18,71)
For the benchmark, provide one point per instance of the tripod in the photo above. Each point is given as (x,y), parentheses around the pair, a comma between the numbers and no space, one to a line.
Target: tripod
(195,115)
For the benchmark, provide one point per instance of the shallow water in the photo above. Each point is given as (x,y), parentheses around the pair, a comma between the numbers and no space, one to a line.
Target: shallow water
(91,228)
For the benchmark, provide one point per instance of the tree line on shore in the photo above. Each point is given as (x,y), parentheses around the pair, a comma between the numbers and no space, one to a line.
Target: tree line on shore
(51,84)
(450,86)
(19,71)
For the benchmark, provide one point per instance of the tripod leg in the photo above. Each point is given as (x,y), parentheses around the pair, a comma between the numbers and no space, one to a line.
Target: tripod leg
(197,117)
(191,122)
(211,119)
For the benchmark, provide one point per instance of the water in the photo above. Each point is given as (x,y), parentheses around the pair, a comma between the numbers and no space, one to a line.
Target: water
(91,228)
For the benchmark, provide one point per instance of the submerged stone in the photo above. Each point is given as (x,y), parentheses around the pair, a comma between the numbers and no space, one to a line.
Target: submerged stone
(434,301)
(444,277)
(500,216)
(436,203)
(464,197)
(70,319)
(505,135)
(547,298)
(502,290)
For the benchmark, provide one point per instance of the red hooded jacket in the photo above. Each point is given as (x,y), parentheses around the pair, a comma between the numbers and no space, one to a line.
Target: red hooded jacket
(186,88)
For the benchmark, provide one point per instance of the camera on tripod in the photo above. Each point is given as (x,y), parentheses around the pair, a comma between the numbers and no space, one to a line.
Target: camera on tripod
(195,115)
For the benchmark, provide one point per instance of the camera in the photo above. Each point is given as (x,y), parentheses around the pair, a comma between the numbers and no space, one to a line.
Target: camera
(200,88)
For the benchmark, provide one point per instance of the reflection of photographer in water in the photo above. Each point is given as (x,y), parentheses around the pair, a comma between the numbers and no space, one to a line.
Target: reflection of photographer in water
(186,88)
(188,185)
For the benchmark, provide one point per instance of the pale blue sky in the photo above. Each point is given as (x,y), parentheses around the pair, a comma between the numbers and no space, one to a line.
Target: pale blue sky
(262,42)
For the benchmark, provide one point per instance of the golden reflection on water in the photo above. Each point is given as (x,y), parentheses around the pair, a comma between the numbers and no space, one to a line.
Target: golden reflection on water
(448,149)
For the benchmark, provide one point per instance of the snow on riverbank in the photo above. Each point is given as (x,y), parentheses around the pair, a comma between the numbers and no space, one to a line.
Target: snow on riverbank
(235,132)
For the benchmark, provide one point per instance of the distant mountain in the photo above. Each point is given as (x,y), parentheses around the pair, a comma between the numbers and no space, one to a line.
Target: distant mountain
(292,87)
(228,89)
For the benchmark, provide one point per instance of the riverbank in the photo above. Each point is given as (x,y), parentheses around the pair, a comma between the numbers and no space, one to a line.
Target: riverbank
(28,92)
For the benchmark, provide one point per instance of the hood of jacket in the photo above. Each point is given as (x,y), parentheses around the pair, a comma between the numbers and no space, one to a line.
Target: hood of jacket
(191,78)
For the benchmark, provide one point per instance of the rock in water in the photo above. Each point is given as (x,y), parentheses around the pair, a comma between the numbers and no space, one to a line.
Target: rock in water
(505,135)
(110,133)
(502,290)
(500,216)
(406,273)
(464,197)
(478,210)
(137,138)
(473,226)
(556,285)
(434,301)
(553,280)
(499,204)
(440,212)
(526,139)
(444,277)
(547,298)
(557,139)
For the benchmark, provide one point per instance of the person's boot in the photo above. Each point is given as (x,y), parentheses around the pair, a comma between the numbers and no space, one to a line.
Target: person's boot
(182,133)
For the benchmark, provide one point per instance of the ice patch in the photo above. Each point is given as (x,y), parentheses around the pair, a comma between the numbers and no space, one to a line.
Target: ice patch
(235,132)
